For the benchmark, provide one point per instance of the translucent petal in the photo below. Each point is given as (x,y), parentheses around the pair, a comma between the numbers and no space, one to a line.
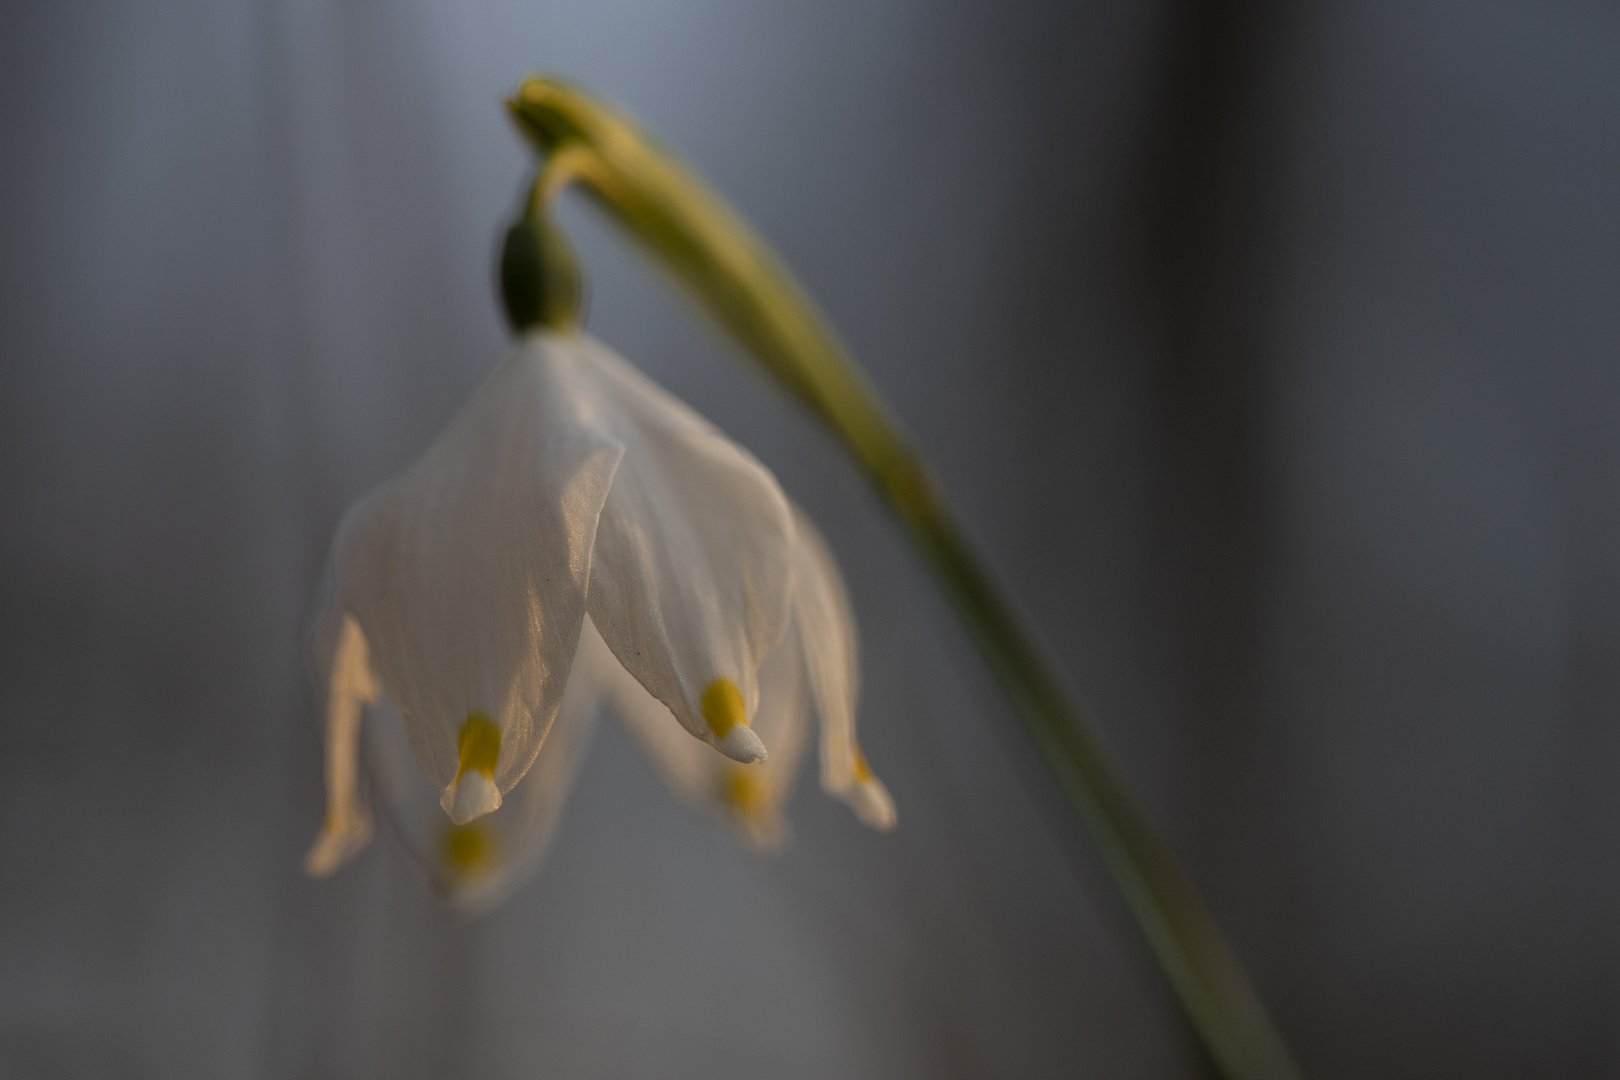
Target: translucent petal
(479,863)
(467,572)
(750,798)
(826,624)
(691,579)
(349,687)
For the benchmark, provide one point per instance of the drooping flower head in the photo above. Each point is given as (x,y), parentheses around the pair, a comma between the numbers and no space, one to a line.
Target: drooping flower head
(576,535)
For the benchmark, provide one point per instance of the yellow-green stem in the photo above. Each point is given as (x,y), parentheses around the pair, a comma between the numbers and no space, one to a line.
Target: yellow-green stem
(735,279)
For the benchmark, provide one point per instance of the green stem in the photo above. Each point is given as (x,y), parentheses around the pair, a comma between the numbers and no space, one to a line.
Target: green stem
(736,280)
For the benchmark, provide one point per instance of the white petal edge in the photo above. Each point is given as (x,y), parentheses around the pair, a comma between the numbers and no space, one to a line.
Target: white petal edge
(475,795)
(741,744)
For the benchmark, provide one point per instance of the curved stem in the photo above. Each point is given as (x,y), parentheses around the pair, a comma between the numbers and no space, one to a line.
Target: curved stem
(735,279)
(564,165)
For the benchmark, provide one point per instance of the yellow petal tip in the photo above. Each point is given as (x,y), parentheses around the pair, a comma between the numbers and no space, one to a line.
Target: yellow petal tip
(728,722)
(867,796)
(744,792)
(478,747)
(468,850)
(723,707)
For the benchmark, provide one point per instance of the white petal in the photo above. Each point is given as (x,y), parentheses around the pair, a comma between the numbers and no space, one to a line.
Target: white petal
(476,864)
(349,686)
(691,579)
(826,625)
(750,798)
(468,571)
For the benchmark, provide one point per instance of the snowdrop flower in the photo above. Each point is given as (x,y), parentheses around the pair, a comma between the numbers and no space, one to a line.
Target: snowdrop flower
(576,536)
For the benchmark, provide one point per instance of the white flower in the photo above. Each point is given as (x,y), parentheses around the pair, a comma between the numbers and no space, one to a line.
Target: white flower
(576,535)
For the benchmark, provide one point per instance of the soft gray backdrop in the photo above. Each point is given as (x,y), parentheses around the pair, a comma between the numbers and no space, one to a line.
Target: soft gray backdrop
(1269,350)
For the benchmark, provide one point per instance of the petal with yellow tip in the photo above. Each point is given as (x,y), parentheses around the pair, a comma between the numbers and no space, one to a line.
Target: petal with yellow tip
(826,623)
(748,797)
(691,576)
(468,571)
(479,862)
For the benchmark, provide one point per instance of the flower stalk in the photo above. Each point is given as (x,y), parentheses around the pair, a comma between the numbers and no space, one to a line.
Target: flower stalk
(735,279)
(539,279)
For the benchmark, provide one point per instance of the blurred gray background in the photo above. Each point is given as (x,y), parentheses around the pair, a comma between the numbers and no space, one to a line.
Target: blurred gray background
(1268,349)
